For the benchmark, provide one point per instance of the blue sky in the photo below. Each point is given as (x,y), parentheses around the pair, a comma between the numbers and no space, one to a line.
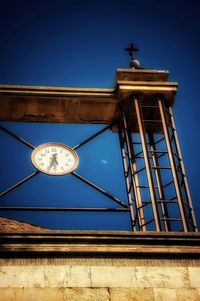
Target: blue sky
(78,43)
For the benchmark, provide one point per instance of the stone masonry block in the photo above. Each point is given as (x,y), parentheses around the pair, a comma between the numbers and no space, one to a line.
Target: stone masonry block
(79,276)
(131,294)
(165,294)
(86,294)
(169,277)
(191,294)
(21,276)
(31,294)
(55,276)
(194,276)
(67,276)
(7,294)
(39,294)
(112,276)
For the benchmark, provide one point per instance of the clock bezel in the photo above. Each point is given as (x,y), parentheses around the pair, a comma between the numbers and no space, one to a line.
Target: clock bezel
(53,144)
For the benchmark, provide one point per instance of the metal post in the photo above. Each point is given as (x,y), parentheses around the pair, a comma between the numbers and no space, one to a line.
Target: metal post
(128,185)
(147,163)
(134,177)
(183,170)
(173,165)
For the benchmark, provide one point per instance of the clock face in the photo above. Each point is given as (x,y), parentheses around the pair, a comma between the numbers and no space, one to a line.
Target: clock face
(54,159)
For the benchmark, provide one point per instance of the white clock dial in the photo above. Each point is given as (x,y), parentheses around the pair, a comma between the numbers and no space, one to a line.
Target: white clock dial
(54,159)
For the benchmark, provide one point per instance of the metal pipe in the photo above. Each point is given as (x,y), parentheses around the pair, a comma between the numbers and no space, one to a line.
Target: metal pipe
(159,180)
(147,164)
(183,170)
(173,165)
(128,186)
(63,209)
(134,177)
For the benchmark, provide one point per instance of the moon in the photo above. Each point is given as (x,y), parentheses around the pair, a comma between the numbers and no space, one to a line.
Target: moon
(104,162)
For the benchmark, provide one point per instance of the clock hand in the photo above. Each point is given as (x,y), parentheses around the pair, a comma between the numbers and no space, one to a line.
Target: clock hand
(53,162)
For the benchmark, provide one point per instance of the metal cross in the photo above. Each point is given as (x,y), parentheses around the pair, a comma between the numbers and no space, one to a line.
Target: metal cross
(131,50)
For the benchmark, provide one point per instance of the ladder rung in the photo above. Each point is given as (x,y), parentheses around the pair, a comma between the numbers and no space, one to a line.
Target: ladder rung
(149,106)
(144,204)
(158,152)
(160,167)
(174,198)
(161,139)
(162,155)
(138,154)
(188,206)
(136,172)
(171,219)
(164,186)
(147,223)
(170,125)
(167,202)
(168,112)
(181,172)
(152,121)
(193,225)
(142,186)
(177,156)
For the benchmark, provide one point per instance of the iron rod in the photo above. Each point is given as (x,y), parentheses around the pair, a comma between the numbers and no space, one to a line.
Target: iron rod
(116,200)
(92,137)
(16,137)
(62,209)
(19,183)
(159,140)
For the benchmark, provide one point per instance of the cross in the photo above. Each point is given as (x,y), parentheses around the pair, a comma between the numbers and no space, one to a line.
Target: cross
(131,50)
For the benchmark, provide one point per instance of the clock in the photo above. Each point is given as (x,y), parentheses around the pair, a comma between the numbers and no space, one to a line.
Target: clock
(54,159)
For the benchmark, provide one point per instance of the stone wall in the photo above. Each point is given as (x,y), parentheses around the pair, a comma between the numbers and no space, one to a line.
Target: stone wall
(87,279)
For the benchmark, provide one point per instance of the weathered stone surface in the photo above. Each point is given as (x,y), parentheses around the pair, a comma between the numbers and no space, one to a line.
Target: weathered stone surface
(86,294)
(112,276)
(187,294)
(7,294)
(165,294)
(39,294)
(170,277)
(31,294)
(133,294)
(67,276)
(21,276)
(194,276)
(55,276)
